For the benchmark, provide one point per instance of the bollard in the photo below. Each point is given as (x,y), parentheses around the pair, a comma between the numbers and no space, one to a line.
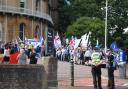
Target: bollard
(122,71)
(72,72)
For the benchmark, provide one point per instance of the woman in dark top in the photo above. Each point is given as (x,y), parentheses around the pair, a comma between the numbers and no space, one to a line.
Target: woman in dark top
(33,57)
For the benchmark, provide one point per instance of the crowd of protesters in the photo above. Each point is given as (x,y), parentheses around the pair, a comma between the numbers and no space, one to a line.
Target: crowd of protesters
(83,56)
(78,55)
(11,51)
(20,53)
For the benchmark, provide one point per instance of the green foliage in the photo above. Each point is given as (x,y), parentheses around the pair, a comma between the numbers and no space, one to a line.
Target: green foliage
(87,24)
(117,19)
(78,8)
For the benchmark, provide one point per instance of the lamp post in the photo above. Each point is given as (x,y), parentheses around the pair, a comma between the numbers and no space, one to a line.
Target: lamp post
(106,30)
(72,71)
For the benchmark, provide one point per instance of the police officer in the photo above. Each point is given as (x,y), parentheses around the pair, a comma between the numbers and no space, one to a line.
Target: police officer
(111,68)
(96,69)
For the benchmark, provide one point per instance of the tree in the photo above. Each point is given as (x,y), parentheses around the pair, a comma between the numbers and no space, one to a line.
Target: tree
(117,16)
(117,20)
(87,24)
(69,14)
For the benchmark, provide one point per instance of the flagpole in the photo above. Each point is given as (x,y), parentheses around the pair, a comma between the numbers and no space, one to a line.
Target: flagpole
(106,26)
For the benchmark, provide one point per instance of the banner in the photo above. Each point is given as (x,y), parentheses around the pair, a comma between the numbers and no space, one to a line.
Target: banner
(34,42)
(50,41)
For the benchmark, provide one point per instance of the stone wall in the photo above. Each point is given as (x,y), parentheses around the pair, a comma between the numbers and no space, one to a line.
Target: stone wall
(39,76)
(50,64)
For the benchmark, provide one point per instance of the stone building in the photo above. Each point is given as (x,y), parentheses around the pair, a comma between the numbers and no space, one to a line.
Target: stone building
(53,8)
(26,18)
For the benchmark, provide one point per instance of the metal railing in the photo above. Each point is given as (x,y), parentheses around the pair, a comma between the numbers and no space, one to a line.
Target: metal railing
(24,11)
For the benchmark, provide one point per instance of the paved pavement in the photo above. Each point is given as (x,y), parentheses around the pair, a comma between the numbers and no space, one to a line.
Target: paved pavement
(83,77)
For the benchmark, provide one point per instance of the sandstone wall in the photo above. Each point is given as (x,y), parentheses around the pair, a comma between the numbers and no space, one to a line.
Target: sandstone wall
(38,76)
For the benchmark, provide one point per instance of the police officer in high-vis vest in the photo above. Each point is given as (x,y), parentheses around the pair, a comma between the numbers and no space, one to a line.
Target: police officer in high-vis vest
(96,68)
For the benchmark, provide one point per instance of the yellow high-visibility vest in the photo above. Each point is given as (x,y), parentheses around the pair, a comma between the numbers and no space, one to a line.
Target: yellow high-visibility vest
(22,45)
(30,46)
(96,58)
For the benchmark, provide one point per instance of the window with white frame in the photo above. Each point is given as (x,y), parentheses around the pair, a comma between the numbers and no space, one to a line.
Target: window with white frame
(22,4)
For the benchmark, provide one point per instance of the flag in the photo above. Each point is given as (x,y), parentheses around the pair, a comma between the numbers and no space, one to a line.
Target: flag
(68,2)
(85,40)
(77,42)
(57,41)
(72,42)
(67,41)
(41,40)
(97,44)
(113,46)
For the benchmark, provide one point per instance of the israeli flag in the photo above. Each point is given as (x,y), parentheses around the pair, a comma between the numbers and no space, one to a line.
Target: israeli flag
(113,46)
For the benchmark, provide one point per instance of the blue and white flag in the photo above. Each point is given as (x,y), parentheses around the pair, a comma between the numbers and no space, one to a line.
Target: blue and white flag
(122,56)
(113,46)
(41,40)
(97,44)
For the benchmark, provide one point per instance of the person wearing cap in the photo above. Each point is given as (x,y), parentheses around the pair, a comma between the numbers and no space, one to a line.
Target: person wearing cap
(96,68)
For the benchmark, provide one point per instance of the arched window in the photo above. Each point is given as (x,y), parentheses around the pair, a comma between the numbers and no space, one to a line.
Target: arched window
(22,32)
(37,32)
(1,32)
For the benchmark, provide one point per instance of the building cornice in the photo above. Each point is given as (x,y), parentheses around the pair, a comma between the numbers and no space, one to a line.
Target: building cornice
(27,12)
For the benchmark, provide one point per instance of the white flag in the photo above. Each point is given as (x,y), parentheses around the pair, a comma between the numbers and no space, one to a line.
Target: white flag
(57,41)
(68,2)
(77,42)
(85,40)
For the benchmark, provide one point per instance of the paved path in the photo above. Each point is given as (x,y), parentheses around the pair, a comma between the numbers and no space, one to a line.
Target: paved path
(83,77)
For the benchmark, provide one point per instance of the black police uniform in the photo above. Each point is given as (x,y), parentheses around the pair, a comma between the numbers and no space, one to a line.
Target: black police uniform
(111,68)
